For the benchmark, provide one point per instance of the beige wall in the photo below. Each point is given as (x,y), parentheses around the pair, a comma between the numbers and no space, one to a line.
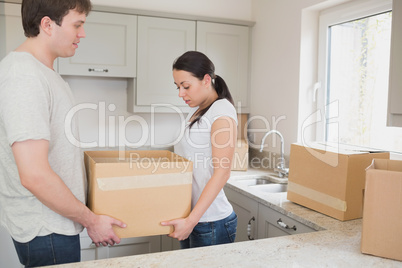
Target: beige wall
(284,66)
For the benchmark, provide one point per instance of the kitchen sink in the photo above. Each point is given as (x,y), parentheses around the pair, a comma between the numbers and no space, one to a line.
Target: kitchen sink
(256,181)
(267,183)
(271,188)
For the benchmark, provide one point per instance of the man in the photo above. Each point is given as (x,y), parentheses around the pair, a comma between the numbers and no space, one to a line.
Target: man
(42,182)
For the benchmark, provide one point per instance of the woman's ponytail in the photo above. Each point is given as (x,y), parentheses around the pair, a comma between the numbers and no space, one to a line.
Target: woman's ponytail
(222,89)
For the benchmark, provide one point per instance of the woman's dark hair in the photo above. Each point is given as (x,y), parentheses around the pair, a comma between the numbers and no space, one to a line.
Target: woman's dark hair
(198,64)
(32,12)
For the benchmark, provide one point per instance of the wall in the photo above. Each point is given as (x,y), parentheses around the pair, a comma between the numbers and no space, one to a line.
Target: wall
(283,67)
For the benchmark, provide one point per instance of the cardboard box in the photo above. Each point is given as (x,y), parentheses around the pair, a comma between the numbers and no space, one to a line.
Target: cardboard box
(382,213)
(240,157)
(242,126)
(140,188)
(330,178)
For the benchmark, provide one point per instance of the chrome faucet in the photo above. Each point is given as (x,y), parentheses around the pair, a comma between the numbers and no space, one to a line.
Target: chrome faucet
(280,167)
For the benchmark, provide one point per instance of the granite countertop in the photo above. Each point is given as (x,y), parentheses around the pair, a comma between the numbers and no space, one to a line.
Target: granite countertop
(335,244)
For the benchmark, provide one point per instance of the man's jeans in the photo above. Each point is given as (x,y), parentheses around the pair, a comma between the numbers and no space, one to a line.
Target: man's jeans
(49,250)
(212,233)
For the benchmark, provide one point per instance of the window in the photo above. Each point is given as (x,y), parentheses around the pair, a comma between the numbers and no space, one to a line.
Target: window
(355,42)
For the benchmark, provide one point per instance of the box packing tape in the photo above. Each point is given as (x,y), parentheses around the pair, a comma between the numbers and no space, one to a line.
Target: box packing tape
(144,181)
(317,196)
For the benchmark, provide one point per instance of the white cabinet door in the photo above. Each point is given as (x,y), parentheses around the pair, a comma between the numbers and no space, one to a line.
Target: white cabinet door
(135,246)
(160,42)
(228,48)
(271,223)
(247,212)
(127,247)
(11,31)
(395,80)
(108,48)
(168,243)
(88,248)
(8,255)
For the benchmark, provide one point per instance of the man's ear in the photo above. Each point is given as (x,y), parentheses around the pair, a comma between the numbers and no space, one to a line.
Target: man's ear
(46,25)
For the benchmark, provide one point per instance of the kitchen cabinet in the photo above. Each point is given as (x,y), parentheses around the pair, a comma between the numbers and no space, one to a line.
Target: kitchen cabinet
(257,221)
(228,48)
(271,223)
(127,247)
(246,210)
(160,42)
(11,31)
(168,243)
(395,79)
(8,255)
(108,49)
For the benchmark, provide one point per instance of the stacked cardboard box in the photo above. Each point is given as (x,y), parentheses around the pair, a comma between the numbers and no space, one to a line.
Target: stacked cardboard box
(330,178)
(240,157)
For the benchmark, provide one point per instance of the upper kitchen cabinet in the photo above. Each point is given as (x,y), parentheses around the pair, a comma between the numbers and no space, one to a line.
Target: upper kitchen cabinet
(108,48)
(228,48)
(160,42)
(395,79)
(11,31)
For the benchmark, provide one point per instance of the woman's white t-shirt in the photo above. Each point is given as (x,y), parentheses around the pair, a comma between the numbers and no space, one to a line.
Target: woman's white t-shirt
(196,146)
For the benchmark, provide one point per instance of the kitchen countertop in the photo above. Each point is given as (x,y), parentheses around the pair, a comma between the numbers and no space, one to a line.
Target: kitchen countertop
(335,244)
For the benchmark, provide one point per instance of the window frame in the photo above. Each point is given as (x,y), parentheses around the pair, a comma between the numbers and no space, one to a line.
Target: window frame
(329,17)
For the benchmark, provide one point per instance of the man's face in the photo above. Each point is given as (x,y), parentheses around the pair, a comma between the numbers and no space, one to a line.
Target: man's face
(67,36)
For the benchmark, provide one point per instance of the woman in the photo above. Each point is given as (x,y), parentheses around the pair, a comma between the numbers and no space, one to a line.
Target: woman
(209,141)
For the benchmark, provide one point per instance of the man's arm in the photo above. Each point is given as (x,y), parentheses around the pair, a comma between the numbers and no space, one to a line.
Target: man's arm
(38,177)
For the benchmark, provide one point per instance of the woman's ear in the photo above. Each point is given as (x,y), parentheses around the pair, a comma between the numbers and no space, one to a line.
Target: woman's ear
(207,79)
(46,25)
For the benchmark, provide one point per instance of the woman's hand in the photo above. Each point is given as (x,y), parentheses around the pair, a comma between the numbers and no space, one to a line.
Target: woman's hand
(182,228)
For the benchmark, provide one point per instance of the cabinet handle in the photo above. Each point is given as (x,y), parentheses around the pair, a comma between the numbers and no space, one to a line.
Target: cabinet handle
(249,228)
(284,225)
(98,70)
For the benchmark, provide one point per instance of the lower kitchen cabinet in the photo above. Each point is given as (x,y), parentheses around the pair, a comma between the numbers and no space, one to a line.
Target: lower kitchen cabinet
(247,212)
(271,223)
(8,255)
(127,247)
(168,243)
(257,221)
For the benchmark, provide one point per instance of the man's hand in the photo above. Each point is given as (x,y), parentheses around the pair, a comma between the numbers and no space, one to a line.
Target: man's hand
(101,231)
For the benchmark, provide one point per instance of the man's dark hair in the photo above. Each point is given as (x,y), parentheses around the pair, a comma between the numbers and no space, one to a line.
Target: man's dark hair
(32,12)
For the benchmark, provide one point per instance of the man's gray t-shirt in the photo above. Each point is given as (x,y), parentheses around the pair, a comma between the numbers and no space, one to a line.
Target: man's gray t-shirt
(34,102)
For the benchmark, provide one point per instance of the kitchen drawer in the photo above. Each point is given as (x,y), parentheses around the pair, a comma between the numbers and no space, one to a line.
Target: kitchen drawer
(271,223)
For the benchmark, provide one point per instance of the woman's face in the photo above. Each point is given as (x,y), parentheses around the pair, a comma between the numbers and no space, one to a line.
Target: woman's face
(193,91)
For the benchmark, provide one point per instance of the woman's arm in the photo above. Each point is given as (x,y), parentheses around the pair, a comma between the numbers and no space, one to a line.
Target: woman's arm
(223,140)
